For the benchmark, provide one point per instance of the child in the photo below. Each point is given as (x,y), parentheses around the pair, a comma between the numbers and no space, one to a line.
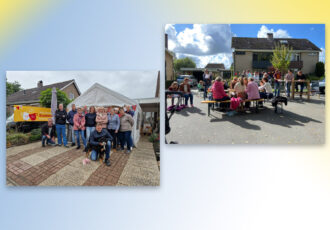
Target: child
(200,85)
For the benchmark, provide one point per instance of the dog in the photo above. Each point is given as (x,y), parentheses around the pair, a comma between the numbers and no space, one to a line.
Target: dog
(100,150)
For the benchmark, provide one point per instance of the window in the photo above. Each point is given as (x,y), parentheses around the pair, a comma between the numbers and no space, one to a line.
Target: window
(295,57)
(262,56)
(71,96)
(284,42)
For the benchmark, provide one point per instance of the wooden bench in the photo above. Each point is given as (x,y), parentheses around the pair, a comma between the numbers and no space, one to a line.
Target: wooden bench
(210,102)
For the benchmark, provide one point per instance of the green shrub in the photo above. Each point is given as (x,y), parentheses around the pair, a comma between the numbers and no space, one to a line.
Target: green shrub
(36,137)
(36,131)
(319,69)
(17,139)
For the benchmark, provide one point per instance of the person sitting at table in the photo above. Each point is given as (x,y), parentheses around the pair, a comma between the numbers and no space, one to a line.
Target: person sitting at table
(174,87)
(240,88)
(218,91)
(233,83)
(252,91)
(288,79)
(200,86)
(245,80)
(185,88)
(300,78)
(225,85)
(265,89)
(256,76)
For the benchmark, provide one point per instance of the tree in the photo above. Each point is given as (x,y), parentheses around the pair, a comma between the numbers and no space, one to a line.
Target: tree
(183,63)
(46,98)
(319,69)
(281,58)
(12,87)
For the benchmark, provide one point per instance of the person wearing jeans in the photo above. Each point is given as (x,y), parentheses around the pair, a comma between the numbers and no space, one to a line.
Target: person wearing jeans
(79,127)
(185,88)
(288,78)
(90,122)
(126,125)
(60,120)
(113,126)
(277,86)
(48,133)
(266,91)
(97,138)
(300,79)
(71,132)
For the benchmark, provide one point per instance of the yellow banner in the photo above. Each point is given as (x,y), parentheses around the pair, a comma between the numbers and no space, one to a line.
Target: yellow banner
(31,113)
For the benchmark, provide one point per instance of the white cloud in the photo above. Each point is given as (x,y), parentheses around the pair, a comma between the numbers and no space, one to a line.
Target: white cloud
(204,43)
(202,61)
(322,55)
(202,39)
(133,84)
(262,33)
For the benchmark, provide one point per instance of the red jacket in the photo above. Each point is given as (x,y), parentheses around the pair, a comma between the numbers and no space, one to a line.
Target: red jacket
(218,91)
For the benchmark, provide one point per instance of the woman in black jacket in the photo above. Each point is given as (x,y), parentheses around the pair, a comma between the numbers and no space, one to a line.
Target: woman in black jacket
(90,122)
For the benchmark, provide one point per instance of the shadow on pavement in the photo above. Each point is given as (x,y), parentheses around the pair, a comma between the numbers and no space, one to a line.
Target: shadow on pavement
(305,101)
(287,119)
(186,111)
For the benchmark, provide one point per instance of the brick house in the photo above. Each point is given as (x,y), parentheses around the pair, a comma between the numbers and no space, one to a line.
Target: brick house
(254,54)
(31,96)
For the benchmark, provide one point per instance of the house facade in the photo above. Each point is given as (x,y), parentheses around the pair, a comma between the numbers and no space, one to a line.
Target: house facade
(30,97)
(254,54)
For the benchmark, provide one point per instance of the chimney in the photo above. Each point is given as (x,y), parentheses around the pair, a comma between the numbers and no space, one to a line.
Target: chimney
(40,84)
(166,41)
(270,35)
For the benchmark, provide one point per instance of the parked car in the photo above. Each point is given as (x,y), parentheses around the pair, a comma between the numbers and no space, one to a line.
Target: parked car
(22,126)
(10,123)
(318,86)
(192,79)
(322,86)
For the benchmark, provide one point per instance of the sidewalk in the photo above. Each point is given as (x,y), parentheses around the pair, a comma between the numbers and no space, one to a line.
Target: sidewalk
(303,122)
(31,165)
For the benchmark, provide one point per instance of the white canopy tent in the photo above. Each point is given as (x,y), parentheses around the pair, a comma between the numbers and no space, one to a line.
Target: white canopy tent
(98,95)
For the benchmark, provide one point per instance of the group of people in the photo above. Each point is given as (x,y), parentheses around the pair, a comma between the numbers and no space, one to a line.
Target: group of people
(93,125)
(276,76)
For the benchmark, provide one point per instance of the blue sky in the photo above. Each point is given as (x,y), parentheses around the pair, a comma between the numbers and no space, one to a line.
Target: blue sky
(193,40)
(314,32)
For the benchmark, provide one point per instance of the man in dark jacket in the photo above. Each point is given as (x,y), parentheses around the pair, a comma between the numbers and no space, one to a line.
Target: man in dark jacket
(48,133)
(96,140)
(60,121)
(300,80)
(70,120)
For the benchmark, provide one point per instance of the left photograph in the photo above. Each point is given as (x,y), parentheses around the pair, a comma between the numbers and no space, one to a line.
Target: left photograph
(82,128)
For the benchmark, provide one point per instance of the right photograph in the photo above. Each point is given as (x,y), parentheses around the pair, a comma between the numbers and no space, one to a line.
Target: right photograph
(245,84)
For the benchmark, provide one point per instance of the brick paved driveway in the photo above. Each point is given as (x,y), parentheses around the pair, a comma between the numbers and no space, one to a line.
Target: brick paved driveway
(31,165)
